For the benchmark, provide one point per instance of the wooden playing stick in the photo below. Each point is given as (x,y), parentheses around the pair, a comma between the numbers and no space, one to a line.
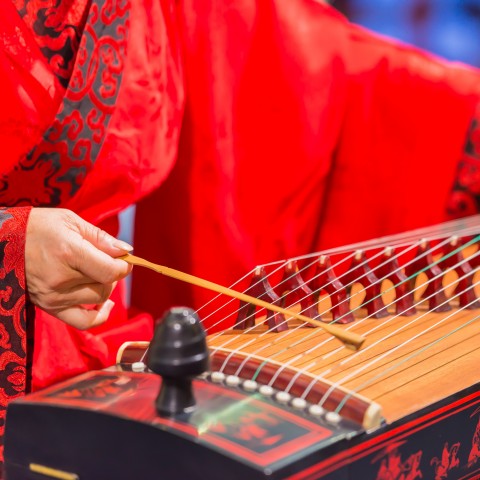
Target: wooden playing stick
(351,340)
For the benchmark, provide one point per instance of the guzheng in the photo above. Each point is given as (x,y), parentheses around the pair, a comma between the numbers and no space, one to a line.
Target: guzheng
(262,394)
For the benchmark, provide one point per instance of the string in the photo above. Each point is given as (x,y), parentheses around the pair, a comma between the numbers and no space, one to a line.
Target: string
(442,259)
(279,268)
(403,344)
(339,383)
(354,281)
(288,332)
(305,338)
(433,233)
(402,327)
(413,355)
(392,350)
(252,328)
(453,227)
(365,262)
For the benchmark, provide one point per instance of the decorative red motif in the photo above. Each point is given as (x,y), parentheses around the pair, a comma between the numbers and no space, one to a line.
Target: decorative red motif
(448,461)
(5,294)
(474,454)
(99,388)
(4,337)
(29,185)
(250,430)
(57,28)
(13,354)
(55,169)
(392,467)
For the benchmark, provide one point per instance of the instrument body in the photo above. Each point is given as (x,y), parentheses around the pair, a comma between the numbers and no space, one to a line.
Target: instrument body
(104,425)
(283,399)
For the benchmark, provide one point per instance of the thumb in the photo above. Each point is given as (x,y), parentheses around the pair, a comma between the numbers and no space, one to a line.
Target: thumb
(102,240)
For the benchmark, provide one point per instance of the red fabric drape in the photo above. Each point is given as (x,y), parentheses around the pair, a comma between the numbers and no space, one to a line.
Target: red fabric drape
(301,131)
(30,90)
(94,96)
(138,147)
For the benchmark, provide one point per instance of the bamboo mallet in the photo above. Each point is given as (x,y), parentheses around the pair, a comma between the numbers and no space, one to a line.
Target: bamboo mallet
(351,340)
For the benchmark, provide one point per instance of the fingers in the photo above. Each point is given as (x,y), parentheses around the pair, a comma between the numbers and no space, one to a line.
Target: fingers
(70,263)
(102,240)
(95,259)
(86,294)
(98,266)
(84,318)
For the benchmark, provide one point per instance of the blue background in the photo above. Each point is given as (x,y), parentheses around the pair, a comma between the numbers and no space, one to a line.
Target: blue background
(449,28)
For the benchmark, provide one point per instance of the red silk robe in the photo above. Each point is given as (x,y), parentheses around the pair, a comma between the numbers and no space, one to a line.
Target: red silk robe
(92,101)
(301,131)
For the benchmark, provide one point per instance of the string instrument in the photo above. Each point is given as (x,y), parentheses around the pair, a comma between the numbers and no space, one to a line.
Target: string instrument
(353,363)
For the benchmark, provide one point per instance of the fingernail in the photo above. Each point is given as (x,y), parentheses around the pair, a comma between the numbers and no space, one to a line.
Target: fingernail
(106,308)
(122,245)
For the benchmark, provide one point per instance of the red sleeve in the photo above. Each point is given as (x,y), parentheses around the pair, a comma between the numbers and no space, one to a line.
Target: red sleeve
(15,357)
(403,133)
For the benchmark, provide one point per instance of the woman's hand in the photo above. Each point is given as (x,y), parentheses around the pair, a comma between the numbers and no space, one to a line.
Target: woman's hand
(70,264)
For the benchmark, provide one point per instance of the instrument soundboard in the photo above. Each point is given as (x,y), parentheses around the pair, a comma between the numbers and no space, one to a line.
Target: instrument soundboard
(104,425)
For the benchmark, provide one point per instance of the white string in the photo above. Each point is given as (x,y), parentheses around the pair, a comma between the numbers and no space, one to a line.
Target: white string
(413,355)
(339,278)
(366,349)
(468,225)
(314,333)
(433,233)
(435,277)
(392,350)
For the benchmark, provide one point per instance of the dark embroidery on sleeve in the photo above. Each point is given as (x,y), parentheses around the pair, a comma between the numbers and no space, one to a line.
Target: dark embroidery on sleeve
(14,321)
(465,196)
(54,171)
(57,26)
